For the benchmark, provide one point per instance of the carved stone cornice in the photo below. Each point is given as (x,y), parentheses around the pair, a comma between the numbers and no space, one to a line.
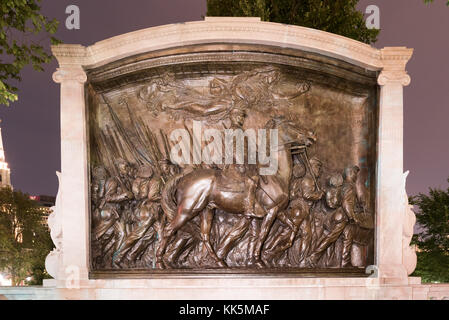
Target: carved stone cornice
(219,30)
(391,60)
(70,74)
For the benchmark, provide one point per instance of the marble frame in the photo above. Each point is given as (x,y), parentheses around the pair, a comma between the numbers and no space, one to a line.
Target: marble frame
(69,262)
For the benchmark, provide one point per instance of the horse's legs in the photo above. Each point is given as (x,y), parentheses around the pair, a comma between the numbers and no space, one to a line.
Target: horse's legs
(239,229)
(264,230)
(177,248)
(181,218)
(162,247)
(207,216)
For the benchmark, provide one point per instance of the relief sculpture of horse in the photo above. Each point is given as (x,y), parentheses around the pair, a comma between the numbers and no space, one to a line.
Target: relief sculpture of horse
(202,191)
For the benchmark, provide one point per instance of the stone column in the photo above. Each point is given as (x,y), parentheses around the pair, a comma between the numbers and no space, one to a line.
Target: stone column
(390,204)
(73,183)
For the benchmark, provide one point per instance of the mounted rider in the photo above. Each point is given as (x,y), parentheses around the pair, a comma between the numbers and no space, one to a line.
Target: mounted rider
(249,172)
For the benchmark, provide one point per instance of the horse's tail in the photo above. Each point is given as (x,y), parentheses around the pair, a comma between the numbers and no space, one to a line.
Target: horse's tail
(168,201)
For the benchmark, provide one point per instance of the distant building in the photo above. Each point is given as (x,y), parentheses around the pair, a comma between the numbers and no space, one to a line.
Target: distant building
(45,203)
(5,174)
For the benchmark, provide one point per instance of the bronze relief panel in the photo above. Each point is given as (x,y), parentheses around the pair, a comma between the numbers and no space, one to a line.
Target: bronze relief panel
(252,163)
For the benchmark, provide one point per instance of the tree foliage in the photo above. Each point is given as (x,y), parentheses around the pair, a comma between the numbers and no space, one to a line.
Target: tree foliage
(430,1)
(433,240)
(20,23)
(24,238)
(335,16)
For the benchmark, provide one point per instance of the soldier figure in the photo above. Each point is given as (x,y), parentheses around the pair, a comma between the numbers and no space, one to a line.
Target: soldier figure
(332,216)
(146,190)
(103,216)
(168,169)
(350,201)
(292,217)
(117,198)
(309,194)
(98,191)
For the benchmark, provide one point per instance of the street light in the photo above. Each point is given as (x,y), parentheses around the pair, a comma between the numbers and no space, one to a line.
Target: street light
(5,282)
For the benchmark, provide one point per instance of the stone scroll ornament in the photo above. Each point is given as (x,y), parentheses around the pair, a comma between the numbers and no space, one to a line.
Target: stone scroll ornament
(53,259)
(151,212)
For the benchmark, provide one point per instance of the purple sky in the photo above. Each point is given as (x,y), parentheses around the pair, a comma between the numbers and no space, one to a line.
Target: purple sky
(31,129)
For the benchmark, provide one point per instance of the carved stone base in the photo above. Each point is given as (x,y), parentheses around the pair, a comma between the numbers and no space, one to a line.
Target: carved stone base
(237,289)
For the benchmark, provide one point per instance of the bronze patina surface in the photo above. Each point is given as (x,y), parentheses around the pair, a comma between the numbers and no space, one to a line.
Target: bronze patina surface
(150,215)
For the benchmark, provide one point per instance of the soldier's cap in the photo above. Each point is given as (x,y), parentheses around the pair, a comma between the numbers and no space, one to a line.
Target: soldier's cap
(315,160)
(351,169)
(99,172)
(120,161)
(336,180)
(145,171)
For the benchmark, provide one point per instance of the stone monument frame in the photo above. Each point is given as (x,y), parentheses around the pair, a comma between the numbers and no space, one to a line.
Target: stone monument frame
(70,228)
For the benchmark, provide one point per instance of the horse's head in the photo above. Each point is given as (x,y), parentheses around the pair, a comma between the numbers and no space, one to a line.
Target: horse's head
(291,133)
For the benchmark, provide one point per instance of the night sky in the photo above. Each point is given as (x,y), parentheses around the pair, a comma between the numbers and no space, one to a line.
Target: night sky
(31,128)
